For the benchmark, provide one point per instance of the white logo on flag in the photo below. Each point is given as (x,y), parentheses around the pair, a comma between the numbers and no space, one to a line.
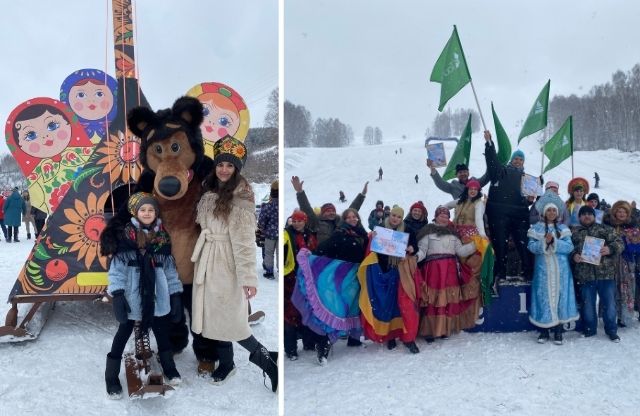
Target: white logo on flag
(538,108)
(565,141)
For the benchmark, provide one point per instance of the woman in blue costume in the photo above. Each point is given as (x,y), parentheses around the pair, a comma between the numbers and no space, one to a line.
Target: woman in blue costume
(553,301)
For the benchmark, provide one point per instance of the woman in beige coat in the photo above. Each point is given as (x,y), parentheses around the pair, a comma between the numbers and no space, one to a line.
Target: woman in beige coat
(225,263)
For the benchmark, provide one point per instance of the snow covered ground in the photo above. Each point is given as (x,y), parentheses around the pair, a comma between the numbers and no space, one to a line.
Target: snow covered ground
(471,373)
(62,371)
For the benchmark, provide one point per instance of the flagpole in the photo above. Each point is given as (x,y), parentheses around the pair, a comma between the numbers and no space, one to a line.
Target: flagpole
(478,104)
(544,141)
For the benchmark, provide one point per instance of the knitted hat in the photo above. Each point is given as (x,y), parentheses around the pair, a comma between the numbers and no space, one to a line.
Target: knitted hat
(139,199)
(551,184)
(326,207)
(586,209)
(442,210)
(473,183)
(420,206)
(230,149)
(518,153)
(593,197)
(387,208)
(576,183)
(398,211)
(299,216)
(461,166)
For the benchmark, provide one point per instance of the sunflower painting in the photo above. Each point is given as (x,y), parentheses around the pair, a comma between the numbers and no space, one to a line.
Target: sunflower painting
(86,222)
(121,158)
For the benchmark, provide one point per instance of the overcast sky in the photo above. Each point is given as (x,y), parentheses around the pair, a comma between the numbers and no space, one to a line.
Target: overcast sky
(179,44)
(368,62)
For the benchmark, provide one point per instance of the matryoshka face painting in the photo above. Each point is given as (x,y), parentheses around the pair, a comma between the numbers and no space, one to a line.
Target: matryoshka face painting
(90,99)
(220,117)
(42,131)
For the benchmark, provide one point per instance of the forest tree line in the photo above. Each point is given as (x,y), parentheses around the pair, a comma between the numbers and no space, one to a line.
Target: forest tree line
(608,116)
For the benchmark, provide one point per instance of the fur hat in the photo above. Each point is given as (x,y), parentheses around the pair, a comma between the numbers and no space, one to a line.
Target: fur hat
(397,210)
(230,149)
(593,197)
(326,207)
(420,206)
(578,182)
(442,209)
(586,209)
(299,216)
(620,204)
(473,183)
(139,199)
(274,189)
(518,153)
(461,166)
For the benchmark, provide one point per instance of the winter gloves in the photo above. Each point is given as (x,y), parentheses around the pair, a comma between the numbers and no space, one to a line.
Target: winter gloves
(121,308)
(176,308)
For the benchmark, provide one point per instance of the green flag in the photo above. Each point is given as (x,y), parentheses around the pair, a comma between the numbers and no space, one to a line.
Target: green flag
(560,146)
(504,145)
(537,118)
(450,70)
(461,154)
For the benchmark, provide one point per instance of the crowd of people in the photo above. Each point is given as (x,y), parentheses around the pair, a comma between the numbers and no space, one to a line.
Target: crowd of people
(337,286)
(15,209)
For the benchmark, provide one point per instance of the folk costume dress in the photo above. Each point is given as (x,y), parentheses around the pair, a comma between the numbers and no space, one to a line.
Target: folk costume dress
(448,293)
(553,300)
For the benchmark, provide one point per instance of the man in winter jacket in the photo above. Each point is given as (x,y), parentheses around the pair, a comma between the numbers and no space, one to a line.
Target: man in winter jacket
(376,216)
(507,209)
(456,186)
(268,225)
(324,224)
(598,279)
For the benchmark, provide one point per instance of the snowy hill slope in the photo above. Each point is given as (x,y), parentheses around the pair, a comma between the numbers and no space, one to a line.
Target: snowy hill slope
(471,373)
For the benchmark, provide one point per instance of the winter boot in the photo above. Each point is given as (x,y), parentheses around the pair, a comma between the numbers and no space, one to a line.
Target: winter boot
(323,348)
(169,367)
(412,347)
(28,236)
(114,388)
(557,335)
(353,342)
(391,344)
(9,235)
(15,235)
(226,367)
(205,368)
(264,359)
(544,336)
(268,273)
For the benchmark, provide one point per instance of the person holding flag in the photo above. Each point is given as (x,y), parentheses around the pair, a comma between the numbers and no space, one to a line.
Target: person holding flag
(507,209)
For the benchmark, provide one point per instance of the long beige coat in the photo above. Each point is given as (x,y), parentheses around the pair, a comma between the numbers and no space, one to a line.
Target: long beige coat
(225,261)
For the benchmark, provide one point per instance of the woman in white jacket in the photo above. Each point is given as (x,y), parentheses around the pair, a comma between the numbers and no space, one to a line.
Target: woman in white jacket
(225,263)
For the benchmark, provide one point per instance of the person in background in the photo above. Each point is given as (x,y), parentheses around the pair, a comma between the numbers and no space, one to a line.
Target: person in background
(13,209)
(39,218)
(598,279)
(596,178)
(4,227)
(553,301)
(380,173)
(268,225)
(416,178)
(342,198)
(376,216)
(27,217)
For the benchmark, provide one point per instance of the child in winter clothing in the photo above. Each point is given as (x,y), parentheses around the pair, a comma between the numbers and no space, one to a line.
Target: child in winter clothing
(144,284)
